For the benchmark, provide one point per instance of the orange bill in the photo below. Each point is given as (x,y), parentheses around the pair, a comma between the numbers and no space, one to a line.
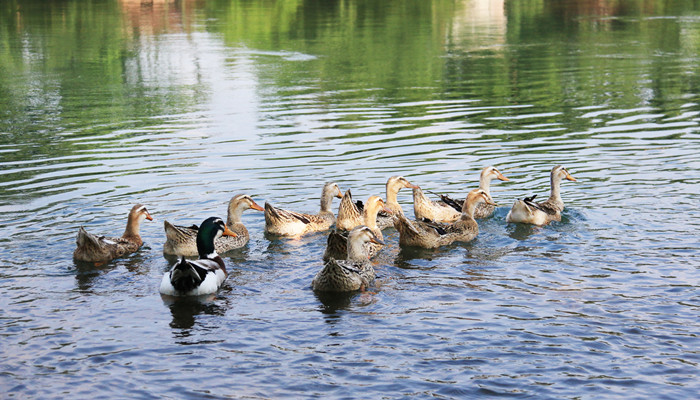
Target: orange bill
(571,178)
(255,206)
(228,232)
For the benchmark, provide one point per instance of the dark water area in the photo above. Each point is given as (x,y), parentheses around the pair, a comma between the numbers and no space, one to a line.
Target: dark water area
(180,105)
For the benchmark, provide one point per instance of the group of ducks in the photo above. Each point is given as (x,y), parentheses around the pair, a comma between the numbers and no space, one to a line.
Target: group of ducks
(356,238)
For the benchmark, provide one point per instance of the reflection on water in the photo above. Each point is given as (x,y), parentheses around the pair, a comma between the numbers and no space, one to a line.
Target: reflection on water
(181,104)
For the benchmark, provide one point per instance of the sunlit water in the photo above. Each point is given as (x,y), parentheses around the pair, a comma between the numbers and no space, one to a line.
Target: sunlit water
(192,105)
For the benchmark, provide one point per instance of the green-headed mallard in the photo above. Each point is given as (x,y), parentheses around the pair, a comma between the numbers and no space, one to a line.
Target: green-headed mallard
(92,248)
(203,276)
(337,243)
(354,273)
(528,211)
(181,240)
(393,185)
(483,210)
(431,234)
(290,223)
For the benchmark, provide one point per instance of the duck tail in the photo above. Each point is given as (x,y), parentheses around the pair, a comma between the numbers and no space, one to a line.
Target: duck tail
(185,276)
(85,239)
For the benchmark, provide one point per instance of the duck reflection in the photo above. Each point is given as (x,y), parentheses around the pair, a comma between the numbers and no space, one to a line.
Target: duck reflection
(185,310)
(332,302)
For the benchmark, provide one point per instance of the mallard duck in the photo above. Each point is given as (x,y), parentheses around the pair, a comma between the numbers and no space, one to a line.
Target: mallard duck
(431,235)
(93,248)
(338,239)
(528,211)
(424,208)
(354,273)
(483,210)
(349,213)
(203,276)
(181,240)
(393,185)
(289,223)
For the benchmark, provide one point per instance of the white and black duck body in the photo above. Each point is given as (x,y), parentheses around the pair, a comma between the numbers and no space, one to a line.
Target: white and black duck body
(354,273)
(94,248)
(203,276)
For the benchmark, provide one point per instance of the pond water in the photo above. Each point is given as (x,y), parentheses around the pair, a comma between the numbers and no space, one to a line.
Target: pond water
(181,105)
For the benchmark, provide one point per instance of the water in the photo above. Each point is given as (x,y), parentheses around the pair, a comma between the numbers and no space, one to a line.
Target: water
(183,105)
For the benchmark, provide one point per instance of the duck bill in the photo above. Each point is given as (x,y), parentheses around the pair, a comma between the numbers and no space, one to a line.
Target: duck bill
(148,216)
(571,178)
(256,206)
(502,177)
(339,194)
(228,232)
(376,240)
(386,210)
(412,186)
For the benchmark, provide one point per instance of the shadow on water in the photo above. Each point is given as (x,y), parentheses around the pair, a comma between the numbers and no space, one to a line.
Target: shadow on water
(185,310)
(332,302)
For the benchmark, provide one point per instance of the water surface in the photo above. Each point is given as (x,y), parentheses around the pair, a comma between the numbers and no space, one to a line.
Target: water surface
(181,105)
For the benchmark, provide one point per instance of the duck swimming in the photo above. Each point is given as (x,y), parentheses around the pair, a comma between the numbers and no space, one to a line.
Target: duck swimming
(203,276)
(393,185)
(337,239)
(182,240)
(432,235)
(92,248)
(290,223)
(354,273)
(483,210)
(528,211)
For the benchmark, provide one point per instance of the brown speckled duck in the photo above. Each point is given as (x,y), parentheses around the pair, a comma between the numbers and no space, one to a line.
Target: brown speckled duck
(528,211)
(483,210)
(182,240)
(354,273)
(349,213)
(432,235)
(290,223)
(92,248)
(338,239)
(393,185)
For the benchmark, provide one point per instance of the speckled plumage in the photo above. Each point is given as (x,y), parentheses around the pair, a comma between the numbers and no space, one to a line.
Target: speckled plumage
(181,240)
(431,235)
(354,273)
(528,211)
(290,223)
(393,185)
(337,239)
(93,248)
(483,210)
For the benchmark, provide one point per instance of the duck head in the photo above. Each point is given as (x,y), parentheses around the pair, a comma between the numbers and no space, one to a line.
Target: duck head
(211,228)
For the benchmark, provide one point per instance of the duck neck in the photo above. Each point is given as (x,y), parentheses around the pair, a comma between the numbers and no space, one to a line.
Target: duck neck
(555,196)
(326,202)
(391,199)
(356,251)
(370,216)
(235,212)
(133,227)
(485,183)
(468,209)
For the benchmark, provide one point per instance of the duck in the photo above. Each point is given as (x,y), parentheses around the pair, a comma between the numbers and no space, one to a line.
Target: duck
(393,185)
(483,210)
(349,213)
(430,235)
(181,240)
(338,238)
(97,249)
(355,272)
(290,223)
(205,275)
(528,211)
